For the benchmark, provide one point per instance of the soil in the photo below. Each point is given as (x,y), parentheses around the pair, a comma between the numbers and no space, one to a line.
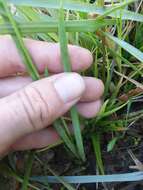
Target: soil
(61,162)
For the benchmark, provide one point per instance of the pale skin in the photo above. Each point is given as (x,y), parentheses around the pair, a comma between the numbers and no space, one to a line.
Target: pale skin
(28,109)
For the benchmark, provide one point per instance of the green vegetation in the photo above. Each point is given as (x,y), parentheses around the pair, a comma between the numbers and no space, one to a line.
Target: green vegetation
(113,33)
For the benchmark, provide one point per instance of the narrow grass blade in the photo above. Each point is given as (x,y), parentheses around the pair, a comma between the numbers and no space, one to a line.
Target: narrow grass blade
(63,131)
(138,84)
(65,137)
(77,132)
(115,8)
(63,42)
(126,177)
(57,124)
(135,68)
(27,60)
(129,48)
(61,180)
(110,112)
(97,150)
(103,108)
(6,170)
(28,171)
(111,144)
(67,68)
(77,6)
(52,26)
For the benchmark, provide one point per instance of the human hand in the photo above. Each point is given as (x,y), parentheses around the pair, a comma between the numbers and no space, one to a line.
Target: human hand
(27,109)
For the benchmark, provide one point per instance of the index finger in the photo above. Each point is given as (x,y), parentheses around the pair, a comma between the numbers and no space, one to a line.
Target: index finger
(44,55)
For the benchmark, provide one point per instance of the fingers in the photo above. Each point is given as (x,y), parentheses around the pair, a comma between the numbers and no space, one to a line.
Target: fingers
(44,55)
(49,135)
(43,138)
(37,106)
(94,88)
(90,109)
(12,84)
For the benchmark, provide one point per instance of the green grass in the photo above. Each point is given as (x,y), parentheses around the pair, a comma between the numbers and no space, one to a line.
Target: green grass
(114,36)
(27,60)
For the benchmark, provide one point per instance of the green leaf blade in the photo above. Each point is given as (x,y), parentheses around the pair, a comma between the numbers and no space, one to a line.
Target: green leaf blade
(67,68)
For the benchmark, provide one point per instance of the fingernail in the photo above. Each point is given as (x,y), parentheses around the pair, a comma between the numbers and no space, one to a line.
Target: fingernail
(69,87)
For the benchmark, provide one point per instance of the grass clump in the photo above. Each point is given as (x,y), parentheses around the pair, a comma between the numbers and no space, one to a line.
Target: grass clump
(112,32)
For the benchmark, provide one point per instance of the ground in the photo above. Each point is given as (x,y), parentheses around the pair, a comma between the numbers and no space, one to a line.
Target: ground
(117,161)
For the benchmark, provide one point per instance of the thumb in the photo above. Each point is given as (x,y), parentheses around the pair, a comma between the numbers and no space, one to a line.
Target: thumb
(37,105)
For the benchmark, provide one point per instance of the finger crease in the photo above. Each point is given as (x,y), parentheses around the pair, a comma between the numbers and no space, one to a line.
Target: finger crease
(27,111)
(42,116)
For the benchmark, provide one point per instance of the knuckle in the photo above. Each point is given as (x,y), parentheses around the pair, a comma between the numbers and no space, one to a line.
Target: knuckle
(36,107)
